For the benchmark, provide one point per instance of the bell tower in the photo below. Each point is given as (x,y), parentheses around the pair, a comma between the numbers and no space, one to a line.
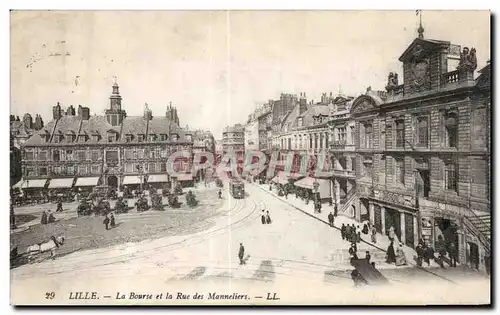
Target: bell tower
(115,114)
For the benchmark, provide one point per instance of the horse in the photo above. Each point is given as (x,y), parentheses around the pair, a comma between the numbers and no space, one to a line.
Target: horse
(50,245)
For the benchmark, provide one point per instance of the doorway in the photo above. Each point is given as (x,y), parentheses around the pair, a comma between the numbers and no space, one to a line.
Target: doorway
(473,255)
(448,229)
(113,181)
(423,183)
(393,218)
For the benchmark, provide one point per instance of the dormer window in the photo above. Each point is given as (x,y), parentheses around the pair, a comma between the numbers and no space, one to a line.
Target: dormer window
(70,136)
(82,138)
(58,138)
(163,137)
(128,138)
(95,138)
(175,137)
(140,138)
(152,137)
(189,138)
(299,122)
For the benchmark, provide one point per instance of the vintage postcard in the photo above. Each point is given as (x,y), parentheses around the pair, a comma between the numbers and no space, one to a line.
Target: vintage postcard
(250,157)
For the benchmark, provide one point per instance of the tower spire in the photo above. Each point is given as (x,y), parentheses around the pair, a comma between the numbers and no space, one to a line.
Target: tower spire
(420,27)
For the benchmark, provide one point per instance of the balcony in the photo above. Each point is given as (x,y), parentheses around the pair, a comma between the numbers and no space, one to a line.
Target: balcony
(338,145)
(450,77)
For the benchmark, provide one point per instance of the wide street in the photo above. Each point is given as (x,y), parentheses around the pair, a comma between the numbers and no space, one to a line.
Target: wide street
(290,256)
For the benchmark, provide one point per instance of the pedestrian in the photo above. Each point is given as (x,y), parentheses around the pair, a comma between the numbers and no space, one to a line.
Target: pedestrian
(59,206)
(373,265)
(428,254)
(112,220)
(374,235)
(106,222)
(343,231)
(268,218)
(263,217)
(452,252)
(241,254)
(348,233)
(365,229)
(358,234)
(400,255)
(420,254)
(52,219)
(391,255)
(44,217)
(330,219)
(353,249)
(220,194)
(391,233)
(368,256)
(270,187)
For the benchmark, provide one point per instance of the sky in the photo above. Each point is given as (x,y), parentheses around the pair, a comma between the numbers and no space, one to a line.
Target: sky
(215,66)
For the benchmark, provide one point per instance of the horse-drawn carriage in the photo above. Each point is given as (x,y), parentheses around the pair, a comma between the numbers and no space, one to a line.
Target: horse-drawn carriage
(36,252)
(156,202)
(191,199)
(142,204)
(173,201)
(121,206)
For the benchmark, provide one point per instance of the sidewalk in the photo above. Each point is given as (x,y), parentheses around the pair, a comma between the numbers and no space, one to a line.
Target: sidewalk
(366,244)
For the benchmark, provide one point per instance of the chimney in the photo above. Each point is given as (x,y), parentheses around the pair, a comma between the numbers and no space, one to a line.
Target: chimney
(148,114)
(302,103)
(70,111)
(56,111)
(83,112)
(28,121)
(38,122)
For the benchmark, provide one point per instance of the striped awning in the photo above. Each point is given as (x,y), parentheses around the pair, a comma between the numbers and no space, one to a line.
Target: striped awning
(127,180)
(158,178)
(86,181)
(61,183)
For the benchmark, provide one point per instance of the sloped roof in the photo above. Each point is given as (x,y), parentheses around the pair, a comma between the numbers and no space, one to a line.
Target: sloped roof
(67,123)
(97,124)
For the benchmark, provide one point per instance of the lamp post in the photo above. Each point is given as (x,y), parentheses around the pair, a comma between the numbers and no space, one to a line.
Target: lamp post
(316,186)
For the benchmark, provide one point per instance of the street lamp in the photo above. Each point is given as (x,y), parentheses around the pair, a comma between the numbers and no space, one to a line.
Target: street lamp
(316,186)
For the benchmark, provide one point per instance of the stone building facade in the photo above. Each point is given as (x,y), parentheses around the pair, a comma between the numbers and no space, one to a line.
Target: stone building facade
(111,150)
(422,146)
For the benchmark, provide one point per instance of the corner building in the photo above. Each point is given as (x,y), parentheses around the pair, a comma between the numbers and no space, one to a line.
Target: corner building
(423,150)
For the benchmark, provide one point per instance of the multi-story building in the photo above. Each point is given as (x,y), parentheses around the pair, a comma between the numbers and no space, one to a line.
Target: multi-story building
(203,142)
(265,128)
(252,133)
(114,150)
(423,162)
(342,152)
(233,139)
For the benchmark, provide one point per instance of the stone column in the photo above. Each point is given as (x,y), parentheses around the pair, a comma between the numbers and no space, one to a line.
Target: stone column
(337,191)
(403,228)
(348,163)
(382,215)
(371,211)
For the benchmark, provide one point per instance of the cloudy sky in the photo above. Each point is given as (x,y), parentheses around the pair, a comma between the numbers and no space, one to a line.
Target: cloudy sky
(215,66)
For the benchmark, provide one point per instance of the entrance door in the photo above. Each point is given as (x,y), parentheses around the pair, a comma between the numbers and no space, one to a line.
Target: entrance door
(393,218)
(474,255)
(113,181)
(409,231)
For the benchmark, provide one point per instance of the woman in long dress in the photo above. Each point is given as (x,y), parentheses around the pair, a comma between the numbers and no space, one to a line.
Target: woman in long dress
(391,256)
(391,233)
(400,256)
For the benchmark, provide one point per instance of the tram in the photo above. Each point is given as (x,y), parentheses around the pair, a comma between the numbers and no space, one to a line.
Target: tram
(237,189)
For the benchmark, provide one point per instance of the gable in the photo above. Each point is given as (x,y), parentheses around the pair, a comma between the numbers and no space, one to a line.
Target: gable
(362,104)
(426,45)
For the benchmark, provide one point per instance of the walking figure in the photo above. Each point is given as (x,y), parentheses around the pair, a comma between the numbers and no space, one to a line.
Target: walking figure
(51,217)
(330,219)
(112,220)
(263,217)
(106,222)
(343,231)
(44,218)
(268,218)
(220,194)
(59,206)
(241,254)
(374,235)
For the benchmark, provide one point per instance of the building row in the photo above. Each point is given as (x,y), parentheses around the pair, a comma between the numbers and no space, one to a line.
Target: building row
(113,150)
(414,157)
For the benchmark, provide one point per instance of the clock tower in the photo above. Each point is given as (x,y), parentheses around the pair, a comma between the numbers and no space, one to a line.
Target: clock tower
(115,114)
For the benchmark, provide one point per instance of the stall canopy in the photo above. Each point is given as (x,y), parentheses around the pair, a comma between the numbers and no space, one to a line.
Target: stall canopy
(128,180)
(282,178)
(324,187)
(34,183)
(86,181)
(185,177)
(158,178)
(18,184)
(61,183)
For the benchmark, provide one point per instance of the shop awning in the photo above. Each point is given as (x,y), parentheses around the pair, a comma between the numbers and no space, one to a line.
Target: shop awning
(128,180)
(282,178)
(158,178)
(61,183)
(308,182)
(86,181)
(34,183)
(324,187)
(18,184)
(185,177)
